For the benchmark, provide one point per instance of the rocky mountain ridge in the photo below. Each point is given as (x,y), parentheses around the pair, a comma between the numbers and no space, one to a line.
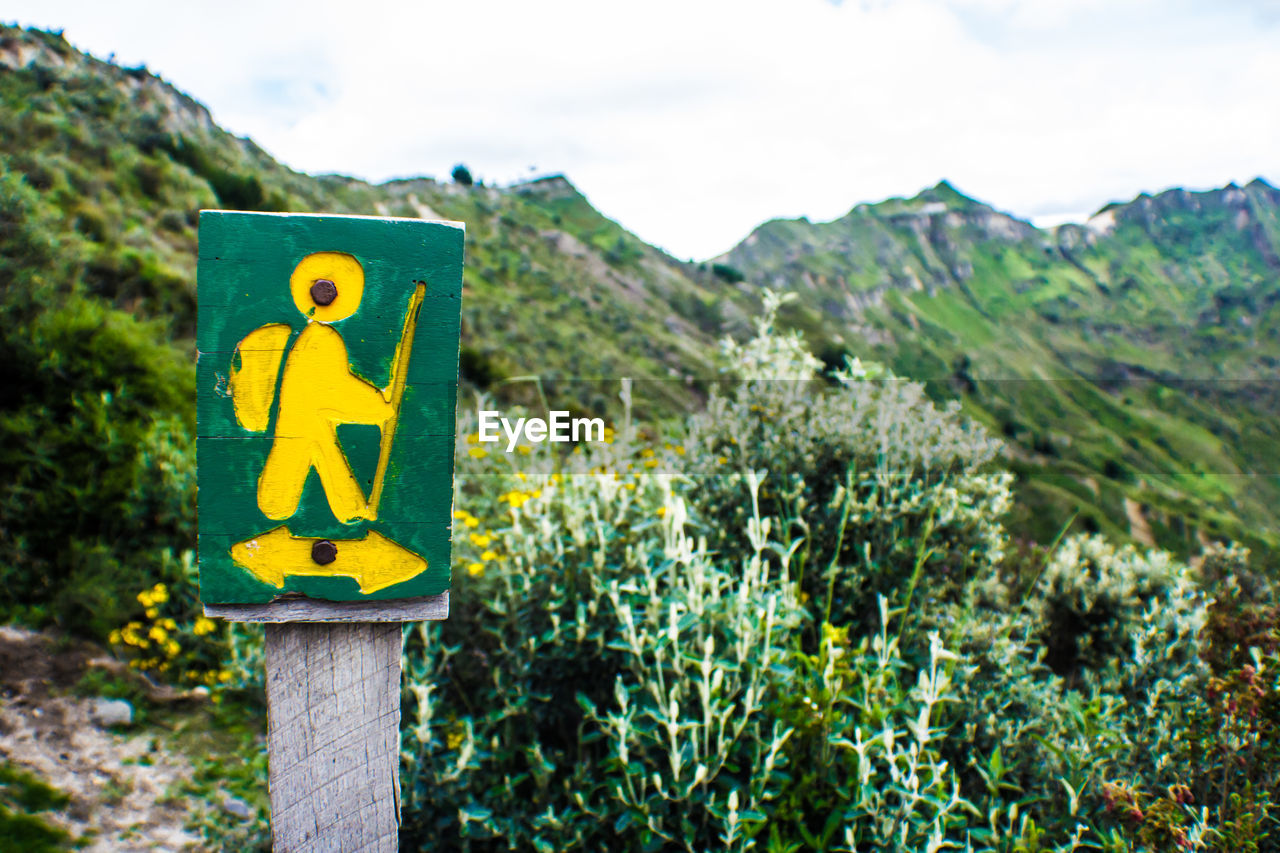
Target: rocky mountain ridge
(1141,344)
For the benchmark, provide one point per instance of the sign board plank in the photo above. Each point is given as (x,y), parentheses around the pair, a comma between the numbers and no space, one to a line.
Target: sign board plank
(327,384)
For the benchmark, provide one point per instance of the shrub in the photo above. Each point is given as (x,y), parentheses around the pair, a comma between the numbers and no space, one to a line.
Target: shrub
(602,678)
(1095,604)
(879,491)
(172,640)
(1087,672)
(867,772)
(625,662)
(96,439)
(726,273)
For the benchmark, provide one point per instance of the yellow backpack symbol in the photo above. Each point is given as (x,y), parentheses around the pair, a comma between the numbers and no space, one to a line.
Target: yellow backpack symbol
(253,375)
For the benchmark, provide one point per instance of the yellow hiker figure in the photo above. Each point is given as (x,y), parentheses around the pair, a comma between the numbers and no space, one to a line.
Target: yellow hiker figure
(317,393)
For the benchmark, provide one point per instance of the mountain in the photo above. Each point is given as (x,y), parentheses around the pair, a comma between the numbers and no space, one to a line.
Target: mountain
(123,162)
(1127,361)
(103,171)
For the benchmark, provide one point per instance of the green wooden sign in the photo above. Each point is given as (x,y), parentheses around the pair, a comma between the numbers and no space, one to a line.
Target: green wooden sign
(327,381)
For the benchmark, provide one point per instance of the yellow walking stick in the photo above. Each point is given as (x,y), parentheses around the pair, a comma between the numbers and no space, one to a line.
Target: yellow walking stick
(399,378)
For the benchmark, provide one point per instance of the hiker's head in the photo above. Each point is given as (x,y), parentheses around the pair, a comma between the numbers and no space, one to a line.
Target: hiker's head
(327,286)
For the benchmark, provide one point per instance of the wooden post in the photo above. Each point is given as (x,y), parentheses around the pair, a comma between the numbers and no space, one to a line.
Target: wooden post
(333,693)
(333,717)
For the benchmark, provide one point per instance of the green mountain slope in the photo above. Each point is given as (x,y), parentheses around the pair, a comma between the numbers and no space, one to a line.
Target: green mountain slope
(122,162)
(1130,362)
(102,173)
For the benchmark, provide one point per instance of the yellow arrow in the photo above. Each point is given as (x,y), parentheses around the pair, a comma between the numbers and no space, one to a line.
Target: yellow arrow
(375,562)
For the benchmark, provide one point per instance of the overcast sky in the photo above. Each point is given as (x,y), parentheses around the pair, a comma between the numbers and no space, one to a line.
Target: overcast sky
(692,122)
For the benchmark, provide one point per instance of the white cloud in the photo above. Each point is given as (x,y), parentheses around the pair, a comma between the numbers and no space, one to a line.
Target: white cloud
(691,123)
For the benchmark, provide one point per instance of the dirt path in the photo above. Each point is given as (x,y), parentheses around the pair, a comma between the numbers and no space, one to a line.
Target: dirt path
(125,789)
(1139,528)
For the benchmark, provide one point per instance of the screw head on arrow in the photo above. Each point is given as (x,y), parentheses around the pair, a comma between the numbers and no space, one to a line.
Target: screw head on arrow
(324,291)
(324,552)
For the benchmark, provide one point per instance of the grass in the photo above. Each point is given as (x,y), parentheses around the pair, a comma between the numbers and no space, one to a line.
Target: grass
(225,742)
(24,800)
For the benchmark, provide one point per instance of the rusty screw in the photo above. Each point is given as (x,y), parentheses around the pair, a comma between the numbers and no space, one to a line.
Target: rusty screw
(324,552)
(324,291)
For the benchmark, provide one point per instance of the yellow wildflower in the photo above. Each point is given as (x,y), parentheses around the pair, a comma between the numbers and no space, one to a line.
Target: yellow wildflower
(478,452)
(153,612)
(145,599)
(203,626)
(160,593)
(525,449)
(158,634)
(489,555)
(224,675)
(130,635)
(481,540)
(472,521)
(476,569)
(172,648)
(662,512)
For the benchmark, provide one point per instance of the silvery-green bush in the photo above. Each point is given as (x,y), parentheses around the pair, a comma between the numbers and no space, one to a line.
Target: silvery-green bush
(605,679)
(881,491)
(601,676)
(791,625)
(1091,673)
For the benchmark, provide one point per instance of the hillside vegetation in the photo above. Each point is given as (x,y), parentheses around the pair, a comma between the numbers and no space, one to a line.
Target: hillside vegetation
(1128,362)
(102,173)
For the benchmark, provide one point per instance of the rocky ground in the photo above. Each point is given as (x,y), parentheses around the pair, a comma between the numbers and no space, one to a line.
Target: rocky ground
(128,786)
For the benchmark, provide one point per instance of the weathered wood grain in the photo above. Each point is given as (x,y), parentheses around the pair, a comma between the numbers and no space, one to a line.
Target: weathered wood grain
(333,695)
(312,610)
